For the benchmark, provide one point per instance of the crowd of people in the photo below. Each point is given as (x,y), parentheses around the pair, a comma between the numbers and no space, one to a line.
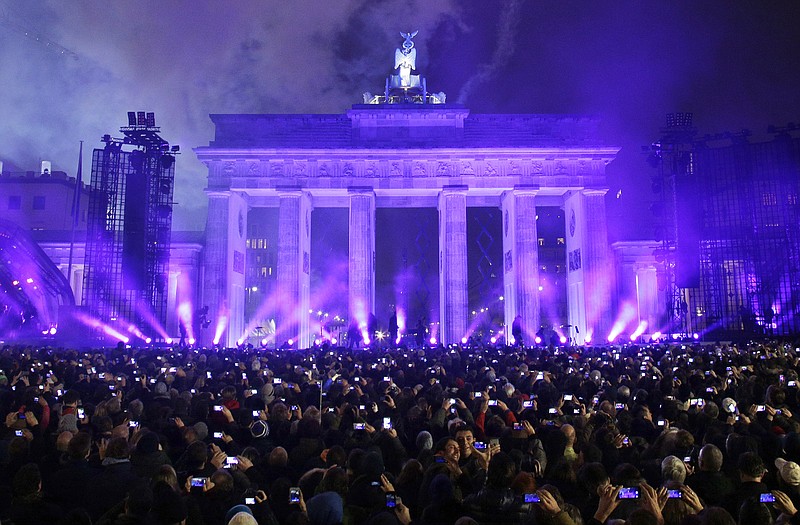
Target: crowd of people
(642,434)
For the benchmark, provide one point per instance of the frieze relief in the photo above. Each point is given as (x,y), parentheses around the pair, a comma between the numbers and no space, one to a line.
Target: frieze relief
(416,168)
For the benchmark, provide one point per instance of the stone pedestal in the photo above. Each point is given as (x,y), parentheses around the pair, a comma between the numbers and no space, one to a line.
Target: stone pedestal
(294,268)
(453,300)
(521,261)
(361,263)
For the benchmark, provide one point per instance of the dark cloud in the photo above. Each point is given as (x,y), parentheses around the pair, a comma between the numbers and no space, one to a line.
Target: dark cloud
(732,63)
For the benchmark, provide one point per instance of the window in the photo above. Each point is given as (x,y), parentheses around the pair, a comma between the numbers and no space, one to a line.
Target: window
(769,199)
(38,202)
(541,241)
(560,240)
(14,202)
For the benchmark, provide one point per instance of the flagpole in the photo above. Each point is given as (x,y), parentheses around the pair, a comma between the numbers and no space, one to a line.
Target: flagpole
(76,207)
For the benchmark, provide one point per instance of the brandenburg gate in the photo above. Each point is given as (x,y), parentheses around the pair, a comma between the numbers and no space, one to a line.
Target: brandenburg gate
(407,147)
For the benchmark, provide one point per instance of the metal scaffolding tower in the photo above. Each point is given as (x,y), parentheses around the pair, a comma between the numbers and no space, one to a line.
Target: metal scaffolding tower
(130,224)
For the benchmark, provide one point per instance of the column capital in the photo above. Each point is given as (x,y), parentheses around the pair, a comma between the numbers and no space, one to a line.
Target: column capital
(360,190)
(217,194)
(455,188)
(290,191)
(594,192)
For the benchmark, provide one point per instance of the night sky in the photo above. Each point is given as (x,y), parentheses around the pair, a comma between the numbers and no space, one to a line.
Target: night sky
(733,64)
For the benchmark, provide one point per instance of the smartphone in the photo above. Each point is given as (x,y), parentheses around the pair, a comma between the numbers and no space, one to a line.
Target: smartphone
(675,493)
(391,500)
(133,424)
(359,426)
(527,404)
(492,402)
(626,441)
(217,435)
(479,445)
(761,408)
(540,376)
(18,433)
(387,423)
(198,483)
(568,397)
(277,381)
(231,461)
(767,497)
(518,426)
(552,411)
(531,498)
(619,406)
(254,391)
(249,501)
(294,407)
(662,422)
(439,459)
(477,395)
(294,495)
(81,414)
(791,384)
(629,493)
(687,459)
(256,413)
(217,408)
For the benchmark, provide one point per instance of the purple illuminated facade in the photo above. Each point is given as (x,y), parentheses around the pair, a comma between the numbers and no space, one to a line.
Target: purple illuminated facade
(408,155)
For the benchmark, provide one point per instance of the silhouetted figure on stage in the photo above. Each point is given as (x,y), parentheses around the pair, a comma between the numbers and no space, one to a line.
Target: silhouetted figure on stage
(353,335)
(182,328)
(516,330)
(769,316)
(419,336)
(393,329)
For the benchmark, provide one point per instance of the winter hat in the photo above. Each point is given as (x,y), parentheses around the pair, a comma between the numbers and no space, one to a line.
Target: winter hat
(325,508)
(790,471)
(236,510)
(68,423)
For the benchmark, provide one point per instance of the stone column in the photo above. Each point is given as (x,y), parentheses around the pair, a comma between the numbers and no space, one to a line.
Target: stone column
(226,234)
(598,264)
(591,278)
(361,265)
(521,261)
(294,268)
(452,264)
(217,272)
